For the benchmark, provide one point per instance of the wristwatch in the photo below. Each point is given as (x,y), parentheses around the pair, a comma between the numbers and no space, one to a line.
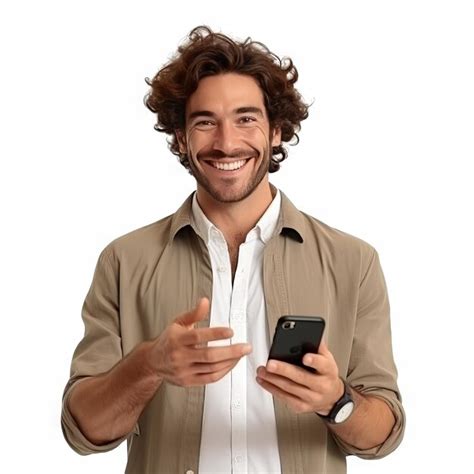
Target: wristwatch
(342,409)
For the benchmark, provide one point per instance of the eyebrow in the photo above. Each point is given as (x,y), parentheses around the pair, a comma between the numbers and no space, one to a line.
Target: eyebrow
(240,110)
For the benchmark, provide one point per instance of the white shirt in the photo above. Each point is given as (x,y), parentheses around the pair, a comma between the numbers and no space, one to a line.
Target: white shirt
(238,428)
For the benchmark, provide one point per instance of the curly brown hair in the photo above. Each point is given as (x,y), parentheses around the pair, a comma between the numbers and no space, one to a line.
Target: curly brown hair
(207,53)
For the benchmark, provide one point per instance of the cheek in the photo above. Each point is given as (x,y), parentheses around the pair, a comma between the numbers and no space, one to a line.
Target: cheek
(196,142)
(256,137)
(261,134)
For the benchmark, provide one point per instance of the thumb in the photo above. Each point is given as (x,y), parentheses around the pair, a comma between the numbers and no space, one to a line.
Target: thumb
(199,313)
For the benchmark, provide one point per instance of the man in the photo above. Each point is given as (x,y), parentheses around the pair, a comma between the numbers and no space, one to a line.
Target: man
(180,313)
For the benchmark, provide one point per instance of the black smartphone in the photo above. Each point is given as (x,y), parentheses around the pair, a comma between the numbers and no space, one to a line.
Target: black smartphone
(294,337)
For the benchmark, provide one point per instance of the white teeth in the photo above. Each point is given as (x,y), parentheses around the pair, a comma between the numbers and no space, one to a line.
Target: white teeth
(228,166)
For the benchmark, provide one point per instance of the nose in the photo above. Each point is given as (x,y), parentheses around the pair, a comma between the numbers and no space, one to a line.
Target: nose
(226,137)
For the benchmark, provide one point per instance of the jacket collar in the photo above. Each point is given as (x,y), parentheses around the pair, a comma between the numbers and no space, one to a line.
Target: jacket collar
(291,221)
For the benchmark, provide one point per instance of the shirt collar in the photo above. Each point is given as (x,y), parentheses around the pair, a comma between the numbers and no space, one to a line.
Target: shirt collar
(267,224)
(201,223)
(264,228)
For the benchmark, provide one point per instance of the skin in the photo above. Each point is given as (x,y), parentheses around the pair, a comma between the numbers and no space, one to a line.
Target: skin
(226,121)
(220,128)
(107,406)
(303,392)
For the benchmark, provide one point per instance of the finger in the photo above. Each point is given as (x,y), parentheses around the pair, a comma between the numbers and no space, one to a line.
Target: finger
(293,402)
(202,369)
(210,355)
(292,372)
(199,313)
(205,379)
(321,363)
(287,385)
(323,349)
(199,336)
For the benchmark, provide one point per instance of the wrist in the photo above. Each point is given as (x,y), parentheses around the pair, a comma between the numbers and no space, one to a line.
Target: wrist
(342,409)
(339,392)
(146,358)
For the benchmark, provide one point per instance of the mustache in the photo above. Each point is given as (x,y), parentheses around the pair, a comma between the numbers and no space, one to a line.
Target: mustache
(240,153)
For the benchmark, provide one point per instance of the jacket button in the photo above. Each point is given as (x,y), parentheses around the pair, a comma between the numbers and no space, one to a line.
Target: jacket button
(189,471)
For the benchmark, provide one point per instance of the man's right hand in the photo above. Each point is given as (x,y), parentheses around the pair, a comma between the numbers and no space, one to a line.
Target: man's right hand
(180,354)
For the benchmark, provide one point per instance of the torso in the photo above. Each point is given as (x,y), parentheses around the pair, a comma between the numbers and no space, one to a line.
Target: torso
(234,258)
(233,248)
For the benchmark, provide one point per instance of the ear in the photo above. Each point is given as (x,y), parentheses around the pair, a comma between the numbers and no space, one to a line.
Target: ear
(181,138)
(276,136)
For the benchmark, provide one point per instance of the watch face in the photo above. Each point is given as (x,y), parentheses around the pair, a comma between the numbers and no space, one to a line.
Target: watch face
(344,413)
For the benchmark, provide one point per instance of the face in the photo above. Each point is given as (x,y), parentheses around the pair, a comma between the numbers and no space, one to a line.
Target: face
(227,137)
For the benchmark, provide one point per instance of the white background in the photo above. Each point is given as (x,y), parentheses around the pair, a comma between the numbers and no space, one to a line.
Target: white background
(385,155)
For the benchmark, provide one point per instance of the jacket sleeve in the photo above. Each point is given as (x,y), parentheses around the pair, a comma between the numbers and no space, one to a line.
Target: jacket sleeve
(98,351)
(372,370)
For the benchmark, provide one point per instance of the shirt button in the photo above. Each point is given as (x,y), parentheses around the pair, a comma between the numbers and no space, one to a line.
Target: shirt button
(238,458)
(236,404)
(221,269)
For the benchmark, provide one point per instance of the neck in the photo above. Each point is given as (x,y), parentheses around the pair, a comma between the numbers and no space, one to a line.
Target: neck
(236,219)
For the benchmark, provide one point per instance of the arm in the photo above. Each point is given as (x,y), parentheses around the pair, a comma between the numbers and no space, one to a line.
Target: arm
(369,424)
(106,407)
(107,392)
(376,426)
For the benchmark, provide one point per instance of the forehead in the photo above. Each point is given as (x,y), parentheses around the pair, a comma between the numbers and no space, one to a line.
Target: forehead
(223,93)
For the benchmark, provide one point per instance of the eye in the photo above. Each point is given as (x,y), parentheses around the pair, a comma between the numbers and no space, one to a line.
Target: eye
(204,123)
(247,119)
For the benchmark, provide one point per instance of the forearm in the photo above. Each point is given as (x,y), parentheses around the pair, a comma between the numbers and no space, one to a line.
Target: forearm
(369,425)
(107,406)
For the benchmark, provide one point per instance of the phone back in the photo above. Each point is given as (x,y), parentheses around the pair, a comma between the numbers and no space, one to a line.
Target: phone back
(295,336)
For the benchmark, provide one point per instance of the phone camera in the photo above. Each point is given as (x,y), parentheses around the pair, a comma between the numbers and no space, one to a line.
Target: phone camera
(288,325)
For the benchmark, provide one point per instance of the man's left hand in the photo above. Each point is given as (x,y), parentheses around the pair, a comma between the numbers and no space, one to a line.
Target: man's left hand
(301,390)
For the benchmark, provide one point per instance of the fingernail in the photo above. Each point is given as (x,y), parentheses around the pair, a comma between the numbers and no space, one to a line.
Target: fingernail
(308,360)
(247,349)
(271,366)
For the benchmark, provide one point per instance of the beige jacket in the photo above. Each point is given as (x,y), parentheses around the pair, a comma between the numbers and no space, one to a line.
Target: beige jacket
(146,278)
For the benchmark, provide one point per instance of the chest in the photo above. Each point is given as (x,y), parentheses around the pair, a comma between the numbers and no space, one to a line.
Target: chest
(295,280)
(233,258)
(237,283)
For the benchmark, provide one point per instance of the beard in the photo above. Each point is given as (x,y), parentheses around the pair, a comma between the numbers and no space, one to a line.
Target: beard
(229,193)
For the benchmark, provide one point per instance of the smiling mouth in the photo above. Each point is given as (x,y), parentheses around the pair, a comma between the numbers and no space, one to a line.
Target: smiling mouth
(228,166)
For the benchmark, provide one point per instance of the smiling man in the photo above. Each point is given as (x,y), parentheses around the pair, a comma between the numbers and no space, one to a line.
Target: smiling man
(230,141)
(180,313)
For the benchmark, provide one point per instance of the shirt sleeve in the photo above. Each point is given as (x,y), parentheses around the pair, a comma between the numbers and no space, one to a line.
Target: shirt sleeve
(372,370)
(98,351)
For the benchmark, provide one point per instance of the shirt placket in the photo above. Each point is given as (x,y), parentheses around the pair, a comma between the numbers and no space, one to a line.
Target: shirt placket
(238,322)
(218,395)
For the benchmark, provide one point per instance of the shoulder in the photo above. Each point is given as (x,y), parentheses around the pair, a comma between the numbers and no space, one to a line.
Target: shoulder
(321,239)
(337,244)
(141,243)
